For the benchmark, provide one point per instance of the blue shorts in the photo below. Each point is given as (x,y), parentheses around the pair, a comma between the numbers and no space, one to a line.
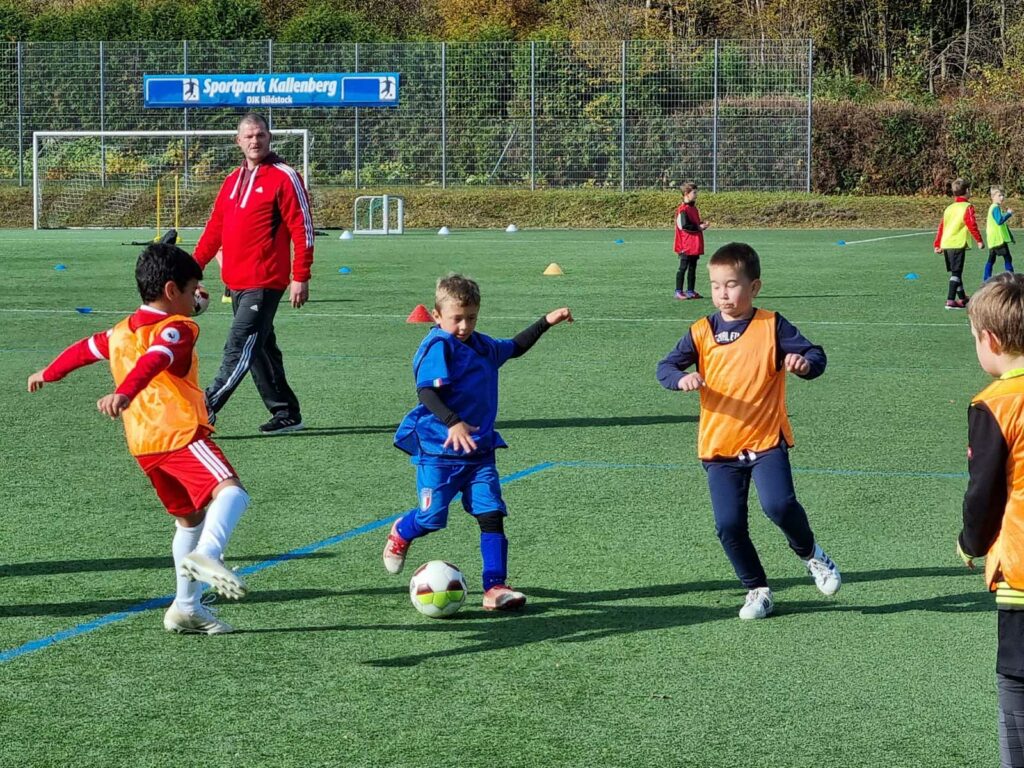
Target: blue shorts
(437,485)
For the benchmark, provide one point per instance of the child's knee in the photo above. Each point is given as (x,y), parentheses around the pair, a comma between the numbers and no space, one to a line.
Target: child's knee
(491,522)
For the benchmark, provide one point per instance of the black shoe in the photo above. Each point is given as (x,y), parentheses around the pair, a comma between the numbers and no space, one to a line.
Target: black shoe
(280,425)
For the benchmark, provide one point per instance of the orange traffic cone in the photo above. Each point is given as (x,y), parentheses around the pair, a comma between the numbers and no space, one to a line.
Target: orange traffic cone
(419,315)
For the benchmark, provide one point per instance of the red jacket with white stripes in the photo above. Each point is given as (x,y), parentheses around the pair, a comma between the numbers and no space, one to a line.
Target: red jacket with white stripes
(258,217)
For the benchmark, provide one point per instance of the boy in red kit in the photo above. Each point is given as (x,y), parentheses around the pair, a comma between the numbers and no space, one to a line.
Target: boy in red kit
(152,357)
(689,244)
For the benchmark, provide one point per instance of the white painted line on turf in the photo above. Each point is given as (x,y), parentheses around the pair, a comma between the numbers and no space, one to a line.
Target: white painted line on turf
(887,237)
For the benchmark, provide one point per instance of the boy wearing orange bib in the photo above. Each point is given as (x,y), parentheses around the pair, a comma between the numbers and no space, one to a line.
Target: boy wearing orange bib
(993,510)
(742,355)
(153,360)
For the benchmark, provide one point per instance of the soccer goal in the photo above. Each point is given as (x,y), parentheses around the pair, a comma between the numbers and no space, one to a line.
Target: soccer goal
(116,178)
(378,215)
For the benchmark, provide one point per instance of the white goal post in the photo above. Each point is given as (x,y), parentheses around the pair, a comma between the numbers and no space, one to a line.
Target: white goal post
(130,178)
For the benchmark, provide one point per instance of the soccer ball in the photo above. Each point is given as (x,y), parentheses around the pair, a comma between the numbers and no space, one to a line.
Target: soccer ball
(202,301)
(437,589)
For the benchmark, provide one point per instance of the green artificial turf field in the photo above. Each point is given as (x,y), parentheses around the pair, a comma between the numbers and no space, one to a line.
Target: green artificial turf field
(629,652)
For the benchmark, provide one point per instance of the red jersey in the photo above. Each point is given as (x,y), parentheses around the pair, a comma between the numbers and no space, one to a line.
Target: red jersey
(689,235)
(258,218)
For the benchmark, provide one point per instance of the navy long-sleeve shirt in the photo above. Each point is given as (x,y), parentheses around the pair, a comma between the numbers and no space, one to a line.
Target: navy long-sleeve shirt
(788,341)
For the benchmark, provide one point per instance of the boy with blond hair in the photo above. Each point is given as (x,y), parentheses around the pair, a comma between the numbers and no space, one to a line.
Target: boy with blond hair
(997,233)
(958,221)
(742,355)
(157,397)
(451,437)
(993,509)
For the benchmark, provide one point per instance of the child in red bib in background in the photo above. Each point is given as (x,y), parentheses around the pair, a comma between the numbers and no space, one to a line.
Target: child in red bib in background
(153,360)
(742,355)
(689,243)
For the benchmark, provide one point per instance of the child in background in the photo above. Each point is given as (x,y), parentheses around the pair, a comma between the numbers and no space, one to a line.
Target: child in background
(451,436)
(689,242)
(158,398)
(993,509)
(742,355)
(997,233)
(951,241)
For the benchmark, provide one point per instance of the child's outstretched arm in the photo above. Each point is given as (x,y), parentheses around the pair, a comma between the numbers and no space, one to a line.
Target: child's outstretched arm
(530,336)
(84,352)
(675,363)
(985,499)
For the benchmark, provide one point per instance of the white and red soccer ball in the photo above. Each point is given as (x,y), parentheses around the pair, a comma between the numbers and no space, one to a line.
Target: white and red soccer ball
(202,301)
(437,589)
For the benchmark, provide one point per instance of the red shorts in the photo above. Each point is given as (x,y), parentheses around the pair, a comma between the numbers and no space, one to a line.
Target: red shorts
(184,479)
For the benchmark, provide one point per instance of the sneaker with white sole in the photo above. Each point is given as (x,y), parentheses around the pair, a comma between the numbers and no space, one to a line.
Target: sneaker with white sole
(395,550)
(202,621)
(501,597)
(824,572)
(209,570)
(758,605)
(281,425)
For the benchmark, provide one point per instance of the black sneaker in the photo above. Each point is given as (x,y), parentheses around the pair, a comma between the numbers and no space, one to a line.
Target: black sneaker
(280,425)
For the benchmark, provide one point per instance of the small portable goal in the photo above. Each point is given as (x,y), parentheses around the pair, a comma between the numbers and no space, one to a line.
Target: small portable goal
(378,215)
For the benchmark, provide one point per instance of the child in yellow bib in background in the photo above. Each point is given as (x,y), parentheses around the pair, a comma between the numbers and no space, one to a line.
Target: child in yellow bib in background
(958,221)
(997,233)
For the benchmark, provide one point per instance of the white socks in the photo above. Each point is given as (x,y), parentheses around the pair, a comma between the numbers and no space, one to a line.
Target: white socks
(188,592)
(221,517)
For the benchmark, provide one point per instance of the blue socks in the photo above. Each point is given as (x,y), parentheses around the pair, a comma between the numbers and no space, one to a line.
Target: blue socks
(409,529)
(494,550)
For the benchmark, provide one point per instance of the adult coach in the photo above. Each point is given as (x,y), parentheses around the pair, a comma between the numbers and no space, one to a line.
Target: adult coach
(261,214)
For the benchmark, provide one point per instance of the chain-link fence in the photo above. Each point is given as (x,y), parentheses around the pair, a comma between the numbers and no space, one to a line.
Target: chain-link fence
(727,114)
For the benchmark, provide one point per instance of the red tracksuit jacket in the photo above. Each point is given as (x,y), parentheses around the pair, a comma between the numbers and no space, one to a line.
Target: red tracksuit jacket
(257,219)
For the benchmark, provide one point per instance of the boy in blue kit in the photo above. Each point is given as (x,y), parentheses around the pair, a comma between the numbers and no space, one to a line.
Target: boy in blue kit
(450,434)
(742,356)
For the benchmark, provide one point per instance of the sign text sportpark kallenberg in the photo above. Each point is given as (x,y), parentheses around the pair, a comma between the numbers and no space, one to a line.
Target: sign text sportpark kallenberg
(303,89)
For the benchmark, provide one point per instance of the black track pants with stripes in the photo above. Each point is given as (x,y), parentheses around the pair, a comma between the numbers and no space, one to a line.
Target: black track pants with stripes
(252,347)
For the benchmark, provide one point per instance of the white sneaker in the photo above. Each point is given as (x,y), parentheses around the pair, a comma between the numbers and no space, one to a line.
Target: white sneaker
(201,622)
(200,567)
(824,572)
(758,605)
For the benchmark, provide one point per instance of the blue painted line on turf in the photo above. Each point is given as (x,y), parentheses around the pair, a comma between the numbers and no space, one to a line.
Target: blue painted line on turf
(158,602)
(796,470)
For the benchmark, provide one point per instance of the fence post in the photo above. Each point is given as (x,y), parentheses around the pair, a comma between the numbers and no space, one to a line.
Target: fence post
(714,125)
(810,84)
(270,71)
(533,114)
(356,128)
(622,130)
(21,137)
(184,66)
(444,119)
(103,141)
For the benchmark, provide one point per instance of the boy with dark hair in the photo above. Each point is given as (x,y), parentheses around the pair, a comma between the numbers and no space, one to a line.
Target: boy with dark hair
(951,241)
(153,360)
(997,233)
(993,509)
(742,355)
(689,242)
(451,436)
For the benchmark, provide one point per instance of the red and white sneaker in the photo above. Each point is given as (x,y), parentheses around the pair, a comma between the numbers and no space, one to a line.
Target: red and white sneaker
(395,551)
(503,598)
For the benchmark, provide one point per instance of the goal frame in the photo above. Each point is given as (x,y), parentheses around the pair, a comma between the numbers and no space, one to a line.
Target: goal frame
(37,135)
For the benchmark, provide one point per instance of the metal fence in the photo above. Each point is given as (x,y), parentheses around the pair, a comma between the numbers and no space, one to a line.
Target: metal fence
(728,114)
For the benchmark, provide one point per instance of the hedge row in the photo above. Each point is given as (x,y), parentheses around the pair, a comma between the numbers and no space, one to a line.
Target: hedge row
(906,149)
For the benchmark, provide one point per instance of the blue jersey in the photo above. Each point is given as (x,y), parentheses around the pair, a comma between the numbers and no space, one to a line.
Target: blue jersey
(466,373)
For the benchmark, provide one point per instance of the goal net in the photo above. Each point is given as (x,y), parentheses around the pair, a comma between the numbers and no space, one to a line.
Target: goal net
(156,179)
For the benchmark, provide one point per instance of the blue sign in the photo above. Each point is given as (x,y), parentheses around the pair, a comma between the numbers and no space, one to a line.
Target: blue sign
(334,89)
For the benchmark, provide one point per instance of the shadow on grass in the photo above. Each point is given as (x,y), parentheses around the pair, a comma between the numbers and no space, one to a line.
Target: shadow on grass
(579,421)
(54,567)
(103,607)
(577,617)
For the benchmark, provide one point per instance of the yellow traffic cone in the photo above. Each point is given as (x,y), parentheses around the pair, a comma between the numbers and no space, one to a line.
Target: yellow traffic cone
(553,269)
